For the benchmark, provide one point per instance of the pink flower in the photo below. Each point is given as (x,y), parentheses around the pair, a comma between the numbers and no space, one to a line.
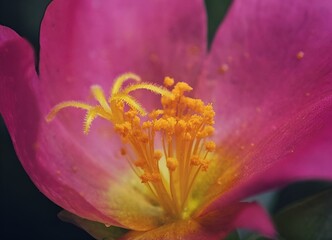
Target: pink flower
(268,75)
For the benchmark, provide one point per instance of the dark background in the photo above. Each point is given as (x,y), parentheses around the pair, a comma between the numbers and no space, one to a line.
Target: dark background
(25,212)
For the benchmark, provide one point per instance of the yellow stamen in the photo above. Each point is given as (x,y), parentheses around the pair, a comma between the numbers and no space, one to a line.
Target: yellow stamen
(111,110)
(99,95)
(121,79)
(182,127)
(132,102)
(148,86)
(67,104)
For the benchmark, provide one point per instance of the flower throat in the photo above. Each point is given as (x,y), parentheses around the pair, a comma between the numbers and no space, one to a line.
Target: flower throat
(167,148)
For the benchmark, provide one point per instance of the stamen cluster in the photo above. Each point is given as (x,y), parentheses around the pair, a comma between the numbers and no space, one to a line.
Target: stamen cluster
(180,130)
(169,148)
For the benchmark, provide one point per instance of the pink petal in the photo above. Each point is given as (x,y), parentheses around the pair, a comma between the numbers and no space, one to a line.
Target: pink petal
(59,166)
(86,42)
(273,106)
(6,34)
(20,110)
(214,225)
(311,160)
(249,216)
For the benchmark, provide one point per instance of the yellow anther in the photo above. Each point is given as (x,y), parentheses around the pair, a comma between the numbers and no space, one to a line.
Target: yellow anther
(209,112)
(130,114)
(160,124)
(172,163)
(155,113)
(168,81)
(195,121)
(136,121)
(181,125)
(171,122)
(205,164)
(150,177)
(209,130)
(195,160)
(157,155)
(210,146)
(147,125)
(123,128)
(140,163)
(181,87)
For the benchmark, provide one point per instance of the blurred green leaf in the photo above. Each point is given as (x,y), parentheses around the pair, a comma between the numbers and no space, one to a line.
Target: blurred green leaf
(297,192)
(233,236)
(307,220)
(97,230)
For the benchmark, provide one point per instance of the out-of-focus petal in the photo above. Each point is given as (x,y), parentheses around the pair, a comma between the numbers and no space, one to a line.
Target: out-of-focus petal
(270,77)
(214,225)
(62,169)
(91,42)
(311,160)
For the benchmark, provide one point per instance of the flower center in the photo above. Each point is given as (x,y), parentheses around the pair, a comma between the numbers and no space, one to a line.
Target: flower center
(167,149)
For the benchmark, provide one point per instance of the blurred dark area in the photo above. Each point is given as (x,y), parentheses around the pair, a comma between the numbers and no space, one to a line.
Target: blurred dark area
(25,212)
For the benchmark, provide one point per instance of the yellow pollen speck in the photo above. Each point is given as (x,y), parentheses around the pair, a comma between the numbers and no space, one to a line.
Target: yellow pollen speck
(194,50)
(300,55)
(223,68)
(181,129)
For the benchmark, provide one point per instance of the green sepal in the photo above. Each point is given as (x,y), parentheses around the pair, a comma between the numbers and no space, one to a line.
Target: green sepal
(97,230)
(308,219)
